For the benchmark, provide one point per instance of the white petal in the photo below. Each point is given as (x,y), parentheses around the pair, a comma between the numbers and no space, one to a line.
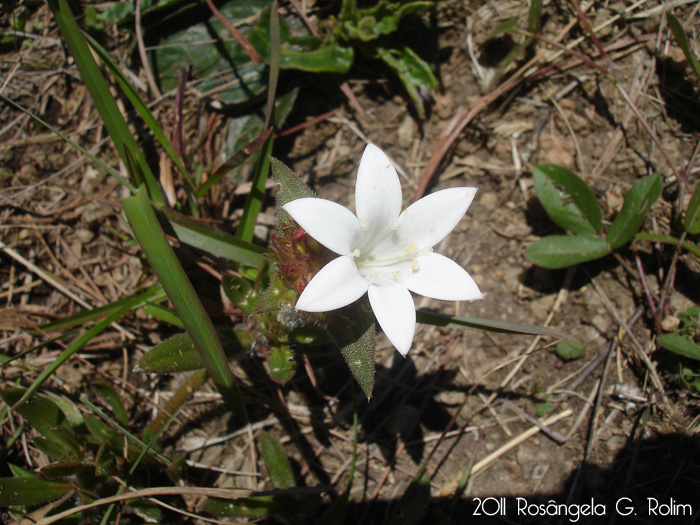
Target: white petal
(441,278)
(377,191)
(337,284)
(427,221)
(328,222)
(394,308)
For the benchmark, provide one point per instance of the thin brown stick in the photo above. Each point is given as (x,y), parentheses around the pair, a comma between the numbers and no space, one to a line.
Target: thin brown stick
(235,33)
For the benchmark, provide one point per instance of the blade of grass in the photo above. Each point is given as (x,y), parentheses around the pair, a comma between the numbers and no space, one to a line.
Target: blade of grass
(104,101)
(253,203)
(153,294)
(88,336)
(488,325)
(140,107)
(77,146)
(172,276)
(214,241)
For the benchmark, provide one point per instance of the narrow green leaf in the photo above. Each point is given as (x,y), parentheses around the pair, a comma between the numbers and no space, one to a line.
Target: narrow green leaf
(567,199)
(279,470)
(236,160)
(249,507)
(692,214)
(84,339)
(414,72)
(282,364)
(153,293)
(667,239)
(139,105)
(560,251)
(73,144)
(112,398)
(486,325)
(534,15)
(679,34)
(680,345)
(214,241)
(254,200)
(107,107)
(30,491)
(638,201)
(171,275)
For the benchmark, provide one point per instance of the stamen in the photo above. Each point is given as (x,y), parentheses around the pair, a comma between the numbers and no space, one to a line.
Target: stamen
(412,248)
(414,265)
(364,226)
(356,253)
(394,226)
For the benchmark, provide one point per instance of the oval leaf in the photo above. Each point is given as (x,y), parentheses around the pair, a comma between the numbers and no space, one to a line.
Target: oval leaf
(638,202)
(277,463)
(30,491)
(680,345)
(560,251)
(568,201)
(282,364)
(177,354)
(692,214)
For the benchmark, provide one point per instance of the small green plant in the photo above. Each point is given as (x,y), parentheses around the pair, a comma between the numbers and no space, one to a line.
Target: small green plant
(571,204)
(683,366)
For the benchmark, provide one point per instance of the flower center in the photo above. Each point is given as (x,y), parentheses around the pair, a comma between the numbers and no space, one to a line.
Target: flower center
(390,267)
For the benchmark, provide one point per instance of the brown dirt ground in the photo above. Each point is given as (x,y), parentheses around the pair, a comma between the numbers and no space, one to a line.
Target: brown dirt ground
(618,434)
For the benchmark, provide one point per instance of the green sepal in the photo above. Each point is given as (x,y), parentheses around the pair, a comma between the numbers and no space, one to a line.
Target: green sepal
(291,188)
(352,328)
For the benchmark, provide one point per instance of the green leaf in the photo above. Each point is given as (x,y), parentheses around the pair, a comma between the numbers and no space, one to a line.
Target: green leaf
(352,329)
(638,201)
(256,196)
(221,67)
(486,325)
(30,491)
(679,34)
(291,188)
(667,239)
(213,241)
(534,15)
(279,469)
(567,199)
(692,214)
(178,354)
(569,350)
(172,276)
(545,407)
(139,105)
(40,412)
(241,293)
(250,507)
(233,162)
(415,74)
(560,251)
(146,510)
(84,339)
(282,364)
(112,398)
(680,345)
(382,19)
(306,53)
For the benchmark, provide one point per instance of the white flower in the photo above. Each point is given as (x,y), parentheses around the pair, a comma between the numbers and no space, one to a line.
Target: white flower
(384,251)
